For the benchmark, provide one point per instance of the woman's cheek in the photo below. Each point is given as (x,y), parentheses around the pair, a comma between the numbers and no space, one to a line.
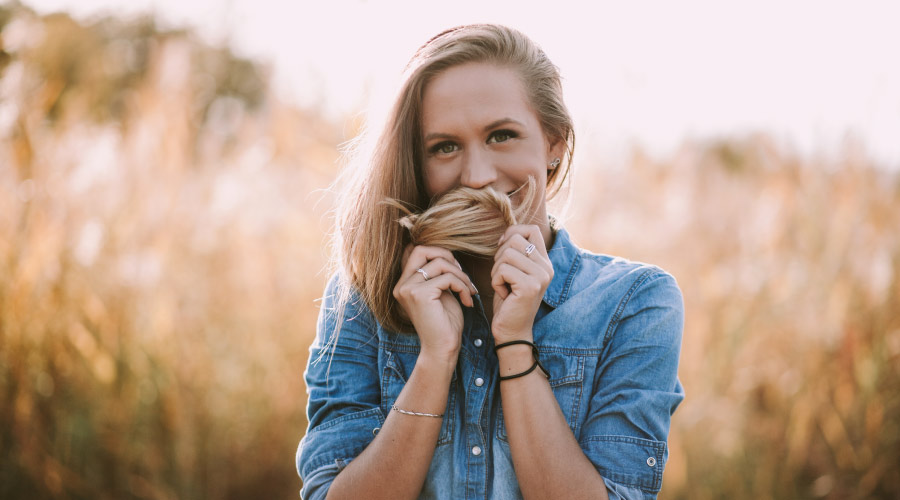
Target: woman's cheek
(439,182)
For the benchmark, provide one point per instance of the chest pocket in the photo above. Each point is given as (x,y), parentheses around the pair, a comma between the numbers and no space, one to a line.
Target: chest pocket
(398,366)
(567,383)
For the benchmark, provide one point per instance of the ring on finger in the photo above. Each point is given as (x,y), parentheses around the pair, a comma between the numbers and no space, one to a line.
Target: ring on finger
(424,274)
(529,249)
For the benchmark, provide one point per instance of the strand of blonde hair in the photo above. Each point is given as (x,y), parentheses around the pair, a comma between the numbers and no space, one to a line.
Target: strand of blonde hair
(468,220)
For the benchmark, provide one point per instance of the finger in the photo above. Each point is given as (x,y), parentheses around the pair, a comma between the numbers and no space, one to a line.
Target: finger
(421,255)
(530,233)
(518,244)
(531,278)
(508,275)
(526,230)
(440,273)
(451,282)
(439,266)
(531,266)
(462,289)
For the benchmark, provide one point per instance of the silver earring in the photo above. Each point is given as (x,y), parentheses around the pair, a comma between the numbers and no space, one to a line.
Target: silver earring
(554,163)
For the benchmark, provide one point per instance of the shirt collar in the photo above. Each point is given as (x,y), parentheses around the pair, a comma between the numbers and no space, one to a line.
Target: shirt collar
(566,258)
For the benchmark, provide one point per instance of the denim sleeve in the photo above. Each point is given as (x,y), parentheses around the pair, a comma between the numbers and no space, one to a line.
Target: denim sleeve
(344,396)
(637,388)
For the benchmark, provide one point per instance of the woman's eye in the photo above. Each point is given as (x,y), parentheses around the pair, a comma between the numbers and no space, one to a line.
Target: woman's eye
(444,148)
(501,136)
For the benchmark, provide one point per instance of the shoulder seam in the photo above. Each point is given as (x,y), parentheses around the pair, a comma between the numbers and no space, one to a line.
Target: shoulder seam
(614,323)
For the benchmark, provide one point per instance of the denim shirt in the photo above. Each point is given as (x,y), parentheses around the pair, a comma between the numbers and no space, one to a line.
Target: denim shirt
(608,331)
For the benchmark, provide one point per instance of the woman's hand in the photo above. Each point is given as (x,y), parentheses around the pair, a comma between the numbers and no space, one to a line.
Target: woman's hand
(424,290)
(519,281)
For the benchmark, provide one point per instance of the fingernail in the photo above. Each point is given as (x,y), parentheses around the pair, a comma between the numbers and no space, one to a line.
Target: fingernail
(474,287)
(457,265)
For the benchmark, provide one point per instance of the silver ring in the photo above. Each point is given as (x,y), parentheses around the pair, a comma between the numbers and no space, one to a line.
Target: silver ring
(424,274)
(529,249)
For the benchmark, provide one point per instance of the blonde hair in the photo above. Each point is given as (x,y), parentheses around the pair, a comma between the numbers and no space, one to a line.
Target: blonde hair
(368,240)
(469,220)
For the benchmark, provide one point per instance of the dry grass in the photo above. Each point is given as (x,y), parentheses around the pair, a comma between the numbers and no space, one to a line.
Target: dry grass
(161,243)
(791,354)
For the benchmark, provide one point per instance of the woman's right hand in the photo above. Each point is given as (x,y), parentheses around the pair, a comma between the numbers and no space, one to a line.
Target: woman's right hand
(429,303)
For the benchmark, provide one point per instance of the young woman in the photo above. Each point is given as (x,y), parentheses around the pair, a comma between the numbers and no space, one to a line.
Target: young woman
(543,371)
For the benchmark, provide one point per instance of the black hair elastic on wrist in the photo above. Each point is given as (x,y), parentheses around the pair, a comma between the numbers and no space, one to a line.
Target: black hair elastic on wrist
(534,354)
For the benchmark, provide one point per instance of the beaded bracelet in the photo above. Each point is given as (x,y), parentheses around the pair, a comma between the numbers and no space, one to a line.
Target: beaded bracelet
(534,354)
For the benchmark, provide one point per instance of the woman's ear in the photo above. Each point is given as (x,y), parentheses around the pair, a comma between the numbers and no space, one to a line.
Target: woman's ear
(555,153)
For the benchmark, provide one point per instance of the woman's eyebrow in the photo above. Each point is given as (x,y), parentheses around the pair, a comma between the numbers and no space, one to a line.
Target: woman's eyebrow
(502,121)
(439,135)
(494,124)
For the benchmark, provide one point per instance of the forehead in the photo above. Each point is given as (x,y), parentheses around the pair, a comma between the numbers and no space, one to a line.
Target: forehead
(474,94)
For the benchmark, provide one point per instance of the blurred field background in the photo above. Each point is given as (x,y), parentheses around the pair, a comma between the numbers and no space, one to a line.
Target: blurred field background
(162,226)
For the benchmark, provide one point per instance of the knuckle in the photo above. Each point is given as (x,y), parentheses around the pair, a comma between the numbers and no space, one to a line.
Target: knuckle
(414,297)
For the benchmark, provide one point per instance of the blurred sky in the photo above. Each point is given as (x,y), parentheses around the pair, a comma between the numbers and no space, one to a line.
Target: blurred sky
(646,72)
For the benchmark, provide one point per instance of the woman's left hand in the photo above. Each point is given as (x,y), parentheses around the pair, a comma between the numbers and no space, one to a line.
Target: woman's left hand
(519,282)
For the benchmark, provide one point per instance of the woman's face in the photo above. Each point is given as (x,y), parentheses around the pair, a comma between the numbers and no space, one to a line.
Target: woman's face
(480,130)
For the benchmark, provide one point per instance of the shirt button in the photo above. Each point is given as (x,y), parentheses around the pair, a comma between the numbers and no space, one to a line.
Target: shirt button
(479,381)
(651,461)
(476,451)
(477,342)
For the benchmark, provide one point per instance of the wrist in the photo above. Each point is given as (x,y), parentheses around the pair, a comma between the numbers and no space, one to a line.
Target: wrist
(437,364)
(510,364)
(514,359)
(503,336)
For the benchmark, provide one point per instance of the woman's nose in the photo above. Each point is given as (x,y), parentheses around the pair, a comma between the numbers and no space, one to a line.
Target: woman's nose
(478,171)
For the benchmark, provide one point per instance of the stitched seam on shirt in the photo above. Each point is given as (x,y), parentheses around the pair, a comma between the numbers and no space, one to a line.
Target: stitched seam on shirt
(350,449)
(386,374)
(448,417)
(570,277)
(572,351)
(576,263)
(659,448)
(564,381)
(576,408)
(624,302)
(501,430)
(484,479)
(485,440)
(484,404)
(401,347)
(345,418)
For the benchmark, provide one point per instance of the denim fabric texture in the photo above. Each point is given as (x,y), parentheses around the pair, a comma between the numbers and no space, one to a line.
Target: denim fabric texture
(609,332)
